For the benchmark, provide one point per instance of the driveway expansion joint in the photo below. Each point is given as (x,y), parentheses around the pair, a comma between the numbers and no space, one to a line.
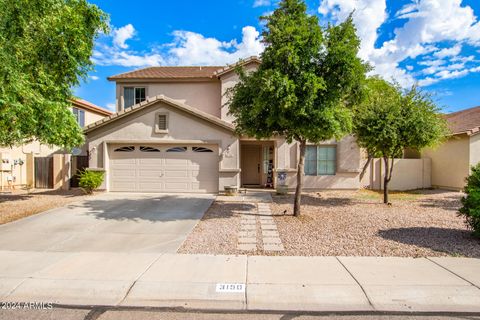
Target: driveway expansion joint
(358,283)
(455,274)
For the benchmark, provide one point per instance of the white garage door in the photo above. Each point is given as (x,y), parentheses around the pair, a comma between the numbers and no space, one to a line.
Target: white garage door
(164,168)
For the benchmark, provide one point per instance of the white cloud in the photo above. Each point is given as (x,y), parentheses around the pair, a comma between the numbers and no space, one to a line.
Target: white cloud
(123,34)
(429,23)
(105,55)
(449,52)
(187,48)
(261,3)
(94,78)
(190,48)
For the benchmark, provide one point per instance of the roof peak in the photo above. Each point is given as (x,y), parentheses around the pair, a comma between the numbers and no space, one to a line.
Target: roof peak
(181,72)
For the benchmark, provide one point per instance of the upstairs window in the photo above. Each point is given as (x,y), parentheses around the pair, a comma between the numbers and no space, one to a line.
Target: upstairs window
(320,160)
(80,116)
(133,95)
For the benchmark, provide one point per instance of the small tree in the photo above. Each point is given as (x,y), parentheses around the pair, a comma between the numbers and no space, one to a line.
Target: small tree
(45,49)
(390,120)
(471,202)
(304,85)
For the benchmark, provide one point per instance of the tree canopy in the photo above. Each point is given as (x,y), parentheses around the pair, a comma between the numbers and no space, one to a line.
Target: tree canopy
(389,120)
(45,49)
(307,81)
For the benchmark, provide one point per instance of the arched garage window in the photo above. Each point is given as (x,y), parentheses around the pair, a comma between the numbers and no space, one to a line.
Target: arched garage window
(201,149)
(125,149)
(177,149)
(148,149)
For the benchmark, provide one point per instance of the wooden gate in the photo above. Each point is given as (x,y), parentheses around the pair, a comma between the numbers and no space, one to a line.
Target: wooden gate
(78,163)
(44,172)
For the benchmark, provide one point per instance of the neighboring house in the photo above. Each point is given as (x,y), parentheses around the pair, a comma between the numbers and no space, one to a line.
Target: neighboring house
(172,133)
(451,161)
(18,161)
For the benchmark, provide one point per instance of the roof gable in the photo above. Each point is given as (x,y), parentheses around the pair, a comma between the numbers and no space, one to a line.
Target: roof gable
(160,98)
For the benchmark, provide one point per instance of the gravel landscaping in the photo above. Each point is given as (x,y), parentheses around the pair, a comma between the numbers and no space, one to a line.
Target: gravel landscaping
(349,223)
(20,204)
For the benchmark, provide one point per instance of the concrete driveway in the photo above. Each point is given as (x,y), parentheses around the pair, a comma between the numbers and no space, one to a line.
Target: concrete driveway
(111,222)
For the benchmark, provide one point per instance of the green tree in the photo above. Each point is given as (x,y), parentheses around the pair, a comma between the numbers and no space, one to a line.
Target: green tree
(390,120)
(45,49)
(306,82)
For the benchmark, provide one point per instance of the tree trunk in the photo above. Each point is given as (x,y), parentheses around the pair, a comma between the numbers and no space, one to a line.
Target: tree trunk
(387,177)
(300,173)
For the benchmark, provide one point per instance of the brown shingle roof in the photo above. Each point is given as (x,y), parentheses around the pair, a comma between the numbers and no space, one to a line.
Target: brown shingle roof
(169,73)
(182,72)
(84,104)
(464,121)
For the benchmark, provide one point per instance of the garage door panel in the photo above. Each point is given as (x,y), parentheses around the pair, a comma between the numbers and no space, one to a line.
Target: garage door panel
(163,171)
(147,186)
(150,161)
(123,161)
(123,173)
(146,174)
(177,186)
(176,173)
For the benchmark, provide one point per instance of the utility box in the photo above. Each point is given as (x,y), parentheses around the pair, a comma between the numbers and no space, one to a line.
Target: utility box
(5,161)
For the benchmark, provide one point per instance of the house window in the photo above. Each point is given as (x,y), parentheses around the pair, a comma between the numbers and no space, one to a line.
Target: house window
(177,149)
(125,149)
(320,160)
(133,95)
(148,149)
(201,149)
(80,116)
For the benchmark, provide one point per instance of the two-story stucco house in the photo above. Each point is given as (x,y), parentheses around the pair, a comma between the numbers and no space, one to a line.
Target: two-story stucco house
(172,133)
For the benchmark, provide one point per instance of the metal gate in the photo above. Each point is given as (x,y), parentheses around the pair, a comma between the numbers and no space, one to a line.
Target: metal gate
(78,163)
(44,172)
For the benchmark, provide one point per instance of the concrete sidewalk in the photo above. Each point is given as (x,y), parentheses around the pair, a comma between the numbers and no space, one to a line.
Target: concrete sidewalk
(270,283)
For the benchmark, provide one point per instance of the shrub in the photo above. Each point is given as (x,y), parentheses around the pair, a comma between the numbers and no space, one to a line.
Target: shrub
(90,180)
(471,202)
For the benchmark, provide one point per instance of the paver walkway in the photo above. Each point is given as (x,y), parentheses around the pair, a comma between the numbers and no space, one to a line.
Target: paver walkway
(257,227)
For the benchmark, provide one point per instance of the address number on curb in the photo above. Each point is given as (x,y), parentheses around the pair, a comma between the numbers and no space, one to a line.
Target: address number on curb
(230,287)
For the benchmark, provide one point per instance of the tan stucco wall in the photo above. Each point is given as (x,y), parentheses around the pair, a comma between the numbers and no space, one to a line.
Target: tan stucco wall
(450,162)
(229,80)
(474,154)
(347,170)
(38,150)
(408,174)
(203,95)
(182,128)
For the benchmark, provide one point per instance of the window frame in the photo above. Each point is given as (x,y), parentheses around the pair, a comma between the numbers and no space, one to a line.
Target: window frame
(145,88)
(316,172)
(79,116)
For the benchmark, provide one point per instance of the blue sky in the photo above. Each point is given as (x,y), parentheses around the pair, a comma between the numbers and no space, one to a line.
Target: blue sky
(433,43)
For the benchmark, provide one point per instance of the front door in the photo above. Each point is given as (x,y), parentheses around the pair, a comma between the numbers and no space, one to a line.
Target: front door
(251,162)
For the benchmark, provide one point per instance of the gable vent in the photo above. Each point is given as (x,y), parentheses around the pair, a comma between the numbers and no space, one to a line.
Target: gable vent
(162,122)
